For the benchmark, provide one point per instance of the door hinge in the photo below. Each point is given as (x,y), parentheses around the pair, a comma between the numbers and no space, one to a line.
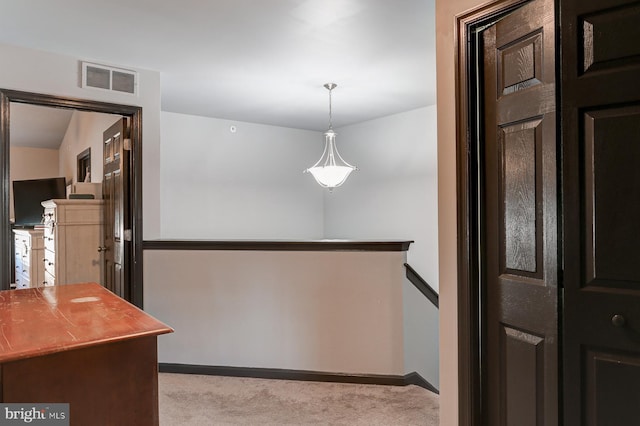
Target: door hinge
(127,144)
(127,235)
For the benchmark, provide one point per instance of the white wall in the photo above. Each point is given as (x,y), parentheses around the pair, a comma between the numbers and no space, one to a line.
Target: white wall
(319,311)
(421,334)
(22,69)
(31,163)
(249,184)
(84,131)
(394,194)
(222,177)
(244,185)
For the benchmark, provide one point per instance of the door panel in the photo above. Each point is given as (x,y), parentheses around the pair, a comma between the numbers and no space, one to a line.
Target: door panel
(107,195)
(116,207)
(604,33)
(116,189)
(605,372)
(601,205)
(520,254)
(519,146)
(612,225)
(523,355)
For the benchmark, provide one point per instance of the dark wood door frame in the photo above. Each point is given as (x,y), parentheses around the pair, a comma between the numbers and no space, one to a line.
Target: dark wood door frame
(135,114)
(468,205)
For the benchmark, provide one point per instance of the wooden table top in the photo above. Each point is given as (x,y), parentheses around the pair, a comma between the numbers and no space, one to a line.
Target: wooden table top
(40,321)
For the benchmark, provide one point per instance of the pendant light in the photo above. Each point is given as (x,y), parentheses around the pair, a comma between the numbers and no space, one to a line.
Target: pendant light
(331,170)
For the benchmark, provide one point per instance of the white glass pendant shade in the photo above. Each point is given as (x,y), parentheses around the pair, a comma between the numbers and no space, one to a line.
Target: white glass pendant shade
(331,170)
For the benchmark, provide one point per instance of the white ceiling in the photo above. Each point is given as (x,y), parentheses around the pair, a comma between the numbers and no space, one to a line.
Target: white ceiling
(261,61)
(38,127)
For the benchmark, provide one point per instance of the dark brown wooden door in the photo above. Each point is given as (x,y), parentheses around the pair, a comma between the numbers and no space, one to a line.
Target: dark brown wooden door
(520,244)
(601,193)
(117,234)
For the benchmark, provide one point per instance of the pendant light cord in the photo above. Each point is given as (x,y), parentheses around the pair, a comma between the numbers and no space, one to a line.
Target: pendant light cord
(330,112)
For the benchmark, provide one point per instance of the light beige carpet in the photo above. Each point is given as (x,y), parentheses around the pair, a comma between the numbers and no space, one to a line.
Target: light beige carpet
(187,399)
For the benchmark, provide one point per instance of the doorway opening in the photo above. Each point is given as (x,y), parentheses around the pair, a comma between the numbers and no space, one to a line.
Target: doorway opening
(133,280)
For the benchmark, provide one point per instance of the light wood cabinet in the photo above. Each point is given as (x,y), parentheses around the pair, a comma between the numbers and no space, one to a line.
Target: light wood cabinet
(73,235)
(29,251)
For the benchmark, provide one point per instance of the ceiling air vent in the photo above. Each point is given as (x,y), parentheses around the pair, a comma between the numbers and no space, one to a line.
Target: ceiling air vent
(114,79)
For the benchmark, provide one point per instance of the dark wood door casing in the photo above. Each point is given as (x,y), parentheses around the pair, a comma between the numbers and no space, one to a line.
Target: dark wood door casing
(135,115)
(601,193)
(468,26)
(519,213)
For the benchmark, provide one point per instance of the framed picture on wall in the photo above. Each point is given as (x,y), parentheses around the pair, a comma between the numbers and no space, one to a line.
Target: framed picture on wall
(84,166)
